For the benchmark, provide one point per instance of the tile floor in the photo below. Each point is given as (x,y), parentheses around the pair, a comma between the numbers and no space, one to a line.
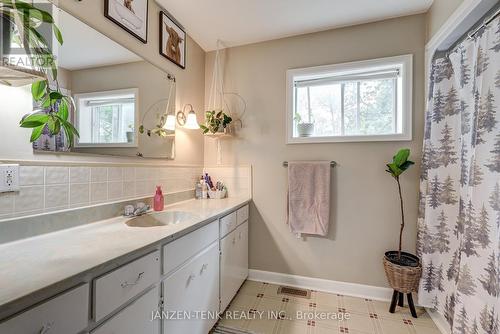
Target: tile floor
(255,302)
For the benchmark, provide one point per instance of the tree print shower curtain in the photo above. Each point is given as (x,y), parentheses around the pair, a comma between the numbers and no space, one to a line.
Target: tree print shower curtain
(459,213)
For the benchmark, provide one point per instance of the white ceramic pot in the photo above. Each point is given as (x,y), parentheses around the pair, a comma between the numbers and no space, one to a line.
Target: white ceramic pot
(130,136)
(305,129)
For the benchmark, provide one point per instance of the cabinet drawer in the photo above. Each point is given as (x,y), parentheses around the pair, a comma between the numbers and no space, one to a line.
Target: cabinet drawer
(194,288)
(117,287)
(242,215)
(67,313)
(227,224)
(179,251)
(135,318)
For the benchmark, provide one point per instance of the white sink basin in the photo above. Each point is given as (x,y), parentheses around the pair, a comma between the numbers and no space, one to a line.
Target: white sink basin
(160,219)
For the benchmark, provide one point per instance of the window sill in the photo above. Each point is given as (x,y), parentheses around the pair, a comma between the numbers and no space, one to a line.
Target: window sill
(349,139)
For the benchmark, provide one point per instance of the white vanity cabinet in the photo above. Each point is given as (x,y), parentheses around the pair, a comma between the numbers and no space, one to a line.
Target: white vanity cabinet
(67,313)
(191,294)
(234,258)
(186,281)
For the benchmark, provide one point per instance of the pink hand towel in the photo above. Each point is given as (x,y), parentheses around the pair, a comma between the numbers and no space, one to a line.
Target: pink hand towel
(309,197)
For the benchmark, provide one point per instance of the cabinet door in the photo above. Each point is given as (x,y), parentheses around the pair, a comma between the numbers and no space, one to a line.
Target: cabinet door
(191,295)
(242,253)
(228,268)
(234,263)
(135,318)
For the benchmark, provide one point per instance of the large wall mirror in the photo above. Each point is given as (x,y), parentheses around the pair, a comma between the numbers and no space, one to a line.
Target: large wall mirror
(121,100)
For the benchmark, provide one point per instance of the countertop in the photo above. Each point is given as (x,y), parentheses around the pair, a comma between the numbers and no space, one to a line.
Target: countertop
(34,264)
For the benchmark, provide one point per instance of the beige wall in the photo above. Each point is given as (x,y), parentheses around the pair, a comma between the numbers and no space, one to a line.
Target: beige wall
(366,213)
(439,12)
(190,88)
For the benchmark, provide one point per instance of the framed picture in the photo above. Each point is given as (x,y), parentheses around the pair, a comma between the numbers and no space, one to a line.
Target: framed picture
(172,40)
(131,15)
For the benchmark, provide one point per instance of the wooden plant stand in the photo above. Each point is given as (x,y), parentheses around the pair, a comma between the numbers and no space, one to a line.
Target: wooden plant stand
(398,298)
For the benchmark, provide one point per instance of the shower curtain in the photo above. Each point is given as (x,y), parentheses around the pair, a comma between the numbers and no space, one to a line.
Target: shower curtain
(459,213)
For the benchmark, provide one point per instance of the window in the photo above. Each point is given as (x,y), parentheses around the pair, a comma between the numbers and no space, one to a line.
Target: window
(107,119)
(360,101)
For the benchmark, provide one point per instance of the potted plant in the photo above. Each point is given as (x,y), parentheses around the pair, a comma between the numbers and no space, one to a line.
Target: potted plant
(303,129)
(403,270)
(130,133)
(216,122)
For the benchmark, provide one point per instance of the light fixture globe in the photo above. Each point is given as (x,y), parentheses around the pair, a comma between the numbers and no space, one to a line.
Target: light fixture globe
(191,122)
(170,123)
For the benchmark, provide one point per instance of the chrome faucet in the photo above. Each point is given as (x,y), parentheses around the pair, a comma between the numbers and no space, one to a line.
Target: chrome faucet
(138,210)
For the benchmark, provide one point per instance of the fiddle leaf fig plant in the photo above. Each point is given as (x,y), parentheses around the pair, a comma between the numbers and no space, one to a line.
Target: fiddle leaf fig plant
(215,122)
(53,113)
(398,166)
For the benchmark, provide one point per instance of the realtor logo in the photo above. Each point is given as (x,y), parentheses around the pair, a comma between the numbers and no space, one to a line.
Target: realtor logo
(27,34)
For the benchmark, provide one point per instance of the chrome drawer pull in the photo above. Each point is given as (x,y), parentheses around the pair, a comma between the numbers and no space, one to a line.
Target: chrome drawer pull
(190,279)
(203,268)
(125,284)
(46,328)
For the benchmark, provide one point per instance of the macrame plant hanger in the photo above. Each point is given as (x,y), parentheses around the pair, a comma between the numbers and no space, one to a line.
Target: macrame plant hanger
(217,99)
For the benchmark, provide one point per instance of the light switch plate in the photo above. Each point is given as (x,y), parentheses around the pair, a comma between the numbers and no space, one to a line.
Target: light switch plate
(9,178)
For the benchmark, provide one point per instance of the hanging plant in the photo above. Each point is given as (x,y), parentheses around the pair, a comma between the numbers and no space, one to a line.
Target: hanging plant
(53,113)
(216,122)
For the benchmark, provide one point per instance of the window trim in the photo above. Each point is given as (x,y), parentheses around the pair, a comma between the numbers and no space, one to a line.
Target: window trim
(406,62)
(78,97)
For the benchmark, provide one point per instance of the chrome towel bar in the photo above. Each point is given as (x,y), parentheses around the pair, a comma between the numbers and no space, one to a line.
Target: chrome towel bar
(332,164)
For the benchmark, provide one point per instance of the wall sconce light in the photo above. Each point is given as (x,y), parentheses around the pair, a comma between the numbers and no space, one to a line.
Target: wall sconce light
(170,123)
(189,121)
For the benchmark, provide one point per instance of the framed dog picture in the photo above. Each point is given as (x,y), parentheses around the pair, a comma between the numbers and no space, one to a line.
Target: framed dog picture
(131,15)
(172,40)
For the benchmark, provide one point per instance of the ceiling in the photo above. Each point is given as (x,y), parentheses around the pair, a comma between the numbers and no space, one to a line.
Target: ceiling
(85,47)
(239,22)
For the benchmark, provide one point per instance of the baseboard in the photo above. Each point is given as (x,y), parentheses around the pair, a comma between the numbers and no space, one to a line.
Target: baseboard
(440,321)
(344,288)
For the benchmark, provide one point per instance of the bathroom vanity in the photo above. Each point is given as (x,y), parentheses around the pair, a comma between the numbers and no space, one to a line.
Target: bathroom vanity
(108,277)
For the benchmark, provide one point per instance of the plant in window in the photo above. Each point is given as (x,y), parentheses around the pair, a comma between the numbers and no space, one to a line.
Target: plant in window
(216,122)
(304,129)
(54,106)
(403,269)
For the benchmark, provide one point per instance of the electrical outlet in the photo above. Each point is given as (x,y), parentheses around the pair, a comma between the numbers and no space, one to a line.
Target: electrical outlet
(9,178)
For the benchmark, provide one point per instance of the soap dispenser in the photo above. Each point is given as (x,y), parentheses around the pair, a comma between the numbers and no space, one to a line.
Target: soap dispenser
(159,200)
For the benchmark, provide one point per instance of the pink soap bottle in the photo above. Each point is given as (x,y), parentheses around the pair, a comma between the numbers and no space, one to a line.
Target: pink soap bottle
(158,201)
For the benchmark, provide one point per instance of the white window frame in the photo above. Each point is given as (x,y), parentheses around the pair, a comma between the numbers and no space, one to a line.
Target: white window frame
(405,64)
(83,96)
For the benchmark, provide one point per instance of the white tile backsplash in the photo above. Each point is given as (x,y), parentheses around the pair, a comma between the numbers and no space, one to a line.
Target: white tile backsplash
(129,173)
(79,194)
(6,203)
(98,192)
(56,196)
(56,175)
(115,190)
(128,189)
(115,174)
(31,175)
(56,187)
(79,174)
(29,198)
(98,174)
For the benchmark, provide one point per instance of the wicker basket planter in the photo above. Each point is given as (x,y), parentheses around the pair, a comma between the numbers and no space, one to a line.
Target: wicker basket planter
(403,278)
